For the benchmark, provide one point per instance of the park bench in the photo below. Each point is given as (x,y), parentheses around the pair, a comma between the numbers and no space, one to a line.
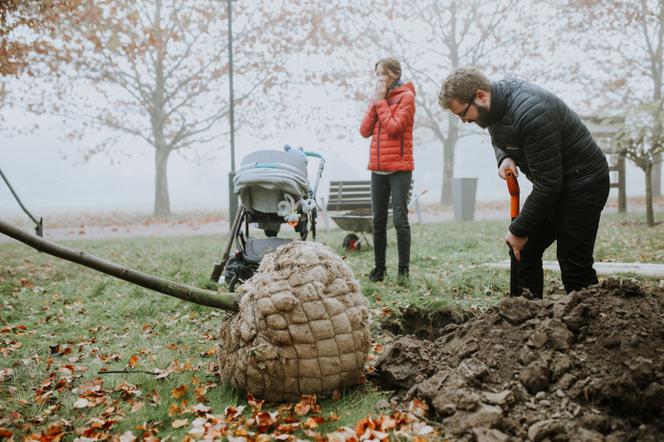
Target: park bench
(604,131)
(350,204)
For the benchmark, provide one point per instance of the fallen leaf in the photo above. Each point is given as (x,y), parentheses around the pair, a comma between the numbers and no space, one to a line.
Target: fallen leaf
(6,374)
(173,409)
(200,393)
(82,403)
(128,390)
(417,407)
(201,408)
(133,361)
(364,425)
(388,424)
(422,429)
(210,351)
(256,405)
(178,392)
(264,421)
(162,374)
(179,423)
(306,405)
(310,423)
(232,413)
(127,436)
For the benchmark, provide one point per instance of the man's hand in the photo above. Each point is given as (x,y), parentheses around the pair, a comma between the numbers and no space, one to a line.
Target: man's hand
(505,165)
(516,243)
(380,91)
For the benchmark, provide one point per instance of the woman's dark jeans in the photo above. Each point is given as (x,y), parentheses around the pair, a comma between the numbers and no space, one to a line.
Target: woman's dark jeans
(398,185)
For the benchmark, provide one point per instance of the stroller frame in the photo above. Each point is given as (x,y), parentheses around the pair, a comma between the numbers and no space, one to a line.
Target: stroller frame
(243,263)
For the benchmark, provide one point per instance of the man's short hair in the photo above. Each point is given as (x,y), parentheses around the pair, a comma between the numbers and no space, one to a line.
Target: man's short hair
(462,84)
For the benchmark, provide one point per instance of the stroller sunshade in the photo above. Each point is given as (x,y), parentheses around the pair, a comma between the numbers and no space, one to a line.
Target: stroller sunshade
(266,175)
(256,248)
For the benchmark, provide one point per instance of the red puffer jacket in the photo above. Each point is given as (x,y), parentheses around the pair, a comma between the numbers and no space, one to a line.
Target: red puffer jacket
(390,121)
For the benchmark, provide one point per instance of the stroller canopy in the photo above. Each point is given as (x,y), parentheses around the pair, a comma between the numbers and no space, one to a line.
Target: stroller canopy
(266,175)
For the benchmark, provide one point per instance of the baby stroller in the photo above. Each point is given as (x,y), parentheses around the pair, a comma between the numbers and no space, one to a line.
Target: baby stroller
(274,190)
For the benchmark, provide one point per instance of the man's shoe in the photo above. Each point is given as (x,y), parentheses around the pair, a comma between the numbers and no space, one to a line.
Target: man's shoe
(377,274)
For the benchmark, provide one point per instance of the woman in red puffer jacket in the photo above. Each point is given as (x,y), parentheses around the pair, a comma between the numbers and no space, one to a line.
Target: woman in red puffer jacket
(389,123)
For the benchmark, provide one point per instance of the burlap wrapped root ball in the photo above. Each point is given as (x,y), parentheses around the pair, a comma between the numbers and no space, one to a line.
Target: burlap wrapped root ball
(302,327)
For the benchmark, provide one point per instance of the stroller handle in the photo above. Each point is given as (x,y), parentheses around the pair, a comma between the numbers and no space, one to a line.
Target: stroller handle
(321,166)
(315,155)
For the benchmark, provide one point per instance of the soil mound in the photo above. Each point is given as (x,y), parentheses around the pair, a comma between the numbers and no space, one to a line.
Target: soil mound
(587,367)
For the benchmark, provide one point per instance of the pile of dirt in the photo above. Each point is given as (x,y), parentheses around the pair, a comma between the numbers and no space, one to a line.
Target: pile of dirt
(302,326)
(586,367)
(425,323)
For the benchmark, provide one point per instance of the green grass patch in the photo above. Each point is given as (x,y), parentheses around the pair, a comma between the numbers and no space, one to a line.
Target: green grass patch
(62,320)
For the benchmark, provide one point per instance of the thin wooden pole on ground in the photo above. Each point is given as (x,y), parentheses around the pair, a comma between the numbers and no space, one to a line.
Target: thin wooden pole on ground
(224,301)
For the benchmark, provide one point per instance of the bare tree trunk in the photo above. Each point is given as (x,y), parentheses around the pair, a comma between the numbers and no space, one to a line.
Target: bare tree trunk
(162,203)
(657,176)
(448,161)
(187,293)
(650,216)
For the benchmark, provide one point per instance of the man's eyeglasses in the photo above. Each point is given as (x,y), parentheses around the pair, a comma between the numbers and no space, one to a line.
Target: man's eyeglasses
(470,102)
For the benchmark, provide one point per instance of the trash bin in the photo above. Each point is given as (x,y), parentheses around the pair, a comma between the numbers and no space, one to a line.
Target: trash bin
(463,198)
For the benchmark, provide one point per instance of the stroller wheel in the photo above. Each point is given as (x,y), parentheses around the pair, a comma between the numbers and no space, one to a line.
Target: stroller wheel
(235,273)
(352,243)
(233,283)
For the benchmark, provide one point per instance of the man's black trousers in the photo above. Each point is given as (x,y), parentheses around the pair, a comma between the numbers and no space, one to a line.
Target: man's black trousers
(573,225)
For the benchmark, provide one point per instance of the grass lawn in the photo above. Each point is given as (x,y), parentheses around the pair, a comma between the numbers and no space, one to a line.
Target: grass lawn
(61,324)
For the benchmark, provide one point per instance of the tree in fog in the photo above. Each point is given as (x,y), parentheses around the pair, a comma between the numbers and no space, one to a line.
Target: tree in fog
(23,24)
(432,38)
(641,139)
(156,72)
(623,44)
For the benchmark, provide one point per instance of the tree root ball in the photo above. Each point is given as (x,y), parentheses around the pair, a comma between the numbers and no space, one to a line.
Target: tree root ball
(302,327)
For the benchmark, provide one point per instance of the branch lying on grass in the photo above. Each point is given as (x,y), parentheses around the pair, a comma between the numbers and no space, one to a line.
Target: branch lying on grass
(153,373)
(224,301)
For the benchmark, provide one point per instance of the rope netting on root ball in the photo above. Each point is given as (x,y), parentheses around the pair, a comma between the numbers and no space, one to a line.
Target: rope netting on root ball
(302,327)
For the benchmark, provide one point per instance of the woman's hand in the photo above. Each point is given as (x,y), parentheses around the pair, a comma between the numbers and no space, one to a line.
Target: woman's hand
(380,91)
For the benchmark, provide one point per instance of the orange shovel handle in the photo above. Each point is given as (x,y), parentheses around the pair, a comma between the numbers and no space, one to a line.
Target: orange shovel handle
(513,188)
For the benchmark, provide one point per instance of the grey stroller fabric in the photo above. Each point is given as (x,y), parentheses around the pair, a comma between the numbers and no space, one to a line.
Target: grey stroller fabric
(266,175)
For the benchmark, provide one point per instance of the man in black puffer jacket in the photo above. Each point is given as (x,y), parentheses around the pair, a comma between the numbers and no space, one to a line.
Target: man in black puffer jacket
(534,130)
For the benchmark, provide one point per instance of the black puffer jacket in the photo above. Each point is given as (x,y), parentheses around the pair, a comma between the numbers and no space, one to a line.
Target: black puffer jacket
(548,142)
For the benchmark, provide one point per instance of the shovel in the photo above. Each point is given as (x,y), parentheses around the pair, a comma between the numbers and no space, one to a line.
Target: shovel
(513,188)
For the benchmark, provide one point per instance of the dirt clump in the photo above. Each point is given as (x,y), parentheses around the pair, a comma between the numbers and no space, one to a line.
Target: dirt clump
(585,367)
(423,322)
(302,326)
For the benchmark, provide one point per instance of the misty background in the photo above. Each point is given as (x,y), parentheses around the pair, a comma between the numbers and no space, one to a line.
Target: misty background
(64,150)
